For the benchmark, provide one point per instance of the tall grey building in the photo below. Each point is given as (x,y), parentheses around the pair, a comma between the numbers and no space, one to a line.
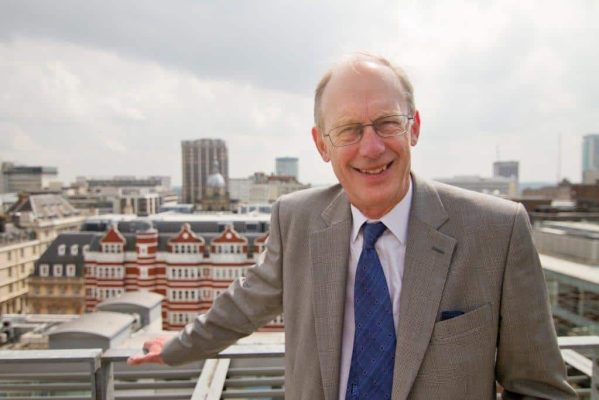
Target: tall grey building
(287,166)
(506,169)
(590,158)
(197,158)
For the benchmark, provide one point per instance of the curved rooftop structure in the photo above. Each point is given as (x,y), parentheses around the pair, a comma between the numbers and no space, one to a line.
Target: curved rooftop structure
(96,330)
(139,298)
(147,305)
(102,323)
(215,180)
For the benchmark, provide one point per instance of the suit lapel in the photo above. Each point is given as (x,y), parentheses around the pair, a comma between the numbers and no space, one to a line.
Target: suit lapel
(427,260)
(329,251)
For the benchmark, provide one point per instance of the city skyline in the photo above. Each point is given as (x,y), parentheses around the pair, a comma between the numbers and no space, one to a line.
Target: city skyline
(92,94)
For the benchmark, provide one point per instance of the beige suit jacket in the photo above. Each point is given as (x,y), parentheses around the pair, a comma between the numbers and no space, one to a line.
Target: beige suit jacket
(465,251)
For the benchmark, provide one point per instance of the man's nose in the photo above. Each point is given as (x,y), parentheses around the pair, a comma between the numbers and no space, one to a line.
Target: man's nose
(371,145)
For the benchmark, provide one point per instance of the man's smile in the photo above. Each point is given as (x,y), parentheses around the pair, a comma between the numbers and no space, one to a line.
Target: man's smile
(374,171)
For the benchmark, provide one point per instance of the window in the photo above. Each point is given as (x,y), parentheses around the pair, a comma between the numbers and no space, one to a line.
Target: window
(57,270)
(74,250)
(71,270)
(9,272)
(61,249)
(9,255)
(44,269)
(22,252)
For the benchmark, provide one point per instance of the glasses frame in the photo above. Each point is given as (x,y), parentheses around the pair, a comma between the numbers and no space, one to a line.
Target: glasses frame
(410,118)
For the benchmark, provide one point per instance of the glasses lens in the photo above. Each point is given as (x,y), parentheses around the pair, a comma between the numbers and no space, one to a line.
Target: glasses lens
(346,135)
(391,126)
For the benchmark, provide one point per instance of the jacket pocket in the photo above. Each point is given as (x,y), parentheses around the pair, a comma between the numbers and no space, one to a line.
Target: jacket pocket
(458,327)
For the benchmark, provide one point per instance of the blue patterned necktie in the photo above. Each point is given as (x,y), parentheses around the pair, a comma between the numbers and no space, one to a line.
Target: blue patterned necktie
(373,355)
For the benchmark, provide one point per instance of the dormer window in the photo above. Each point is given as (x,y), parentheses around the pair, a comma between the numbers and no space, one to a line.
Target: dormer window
(62,249)
(44,269)
(57,270)
(74,250)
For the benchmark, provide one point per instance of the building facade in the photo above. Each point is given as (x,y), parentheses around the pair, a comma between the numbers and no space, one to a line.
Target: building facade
(47,215)
(40,218)
(197,158)
(57,284)
(19,249)
(287,166)
(21,178)
(190,261)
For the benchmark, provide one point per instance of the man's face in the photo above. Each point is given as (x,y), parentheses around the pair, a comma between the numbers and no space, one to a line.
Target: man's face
(374,172)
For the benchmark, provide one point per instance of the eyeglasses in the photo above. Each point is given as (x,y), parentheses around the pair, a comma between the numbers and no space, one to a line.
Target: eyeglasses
(385,127)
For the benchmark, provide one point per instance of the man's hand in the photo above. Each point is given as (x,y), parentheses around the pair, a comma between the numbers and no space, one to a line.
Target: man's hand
(152,349)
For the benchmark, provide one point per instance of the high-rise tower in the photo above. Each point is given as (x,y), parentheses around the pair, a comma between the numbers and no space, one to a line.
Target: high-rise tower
(197,159)
(287,166)
(590,158)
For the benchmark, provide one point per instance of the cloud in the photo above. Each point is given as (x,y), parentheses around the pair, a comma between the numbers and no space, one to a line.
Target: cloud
(108,115)
(100,92)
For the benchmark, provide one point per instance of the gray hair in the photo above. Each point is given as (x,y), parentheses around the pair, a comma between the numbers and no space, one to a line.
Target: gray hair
(354,59)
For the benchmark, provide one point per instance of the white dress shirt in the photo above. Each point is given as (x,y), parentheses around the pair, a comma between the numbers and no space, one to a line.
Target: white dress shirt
(391,249)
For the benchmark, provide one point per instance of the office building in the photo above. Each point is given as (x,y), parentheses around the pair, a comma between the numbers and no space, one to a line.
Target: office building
(19,248)
(21,178)
(141,196)
(262,188)
(197,159)
(506,169)
(497,186)
(287,166)
(590,158)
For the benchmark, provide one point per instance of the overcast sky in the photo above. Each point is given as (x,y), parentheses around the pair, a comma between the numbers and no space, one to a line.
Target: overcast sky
(112,87)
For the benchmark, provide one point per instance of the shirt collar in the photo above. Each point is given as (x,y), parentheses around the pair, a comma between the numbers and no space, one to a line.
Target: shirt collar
(396,220)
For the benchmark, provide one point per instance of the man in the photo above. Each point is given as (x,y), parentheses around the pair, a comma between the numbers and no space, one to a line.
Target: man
(392,286)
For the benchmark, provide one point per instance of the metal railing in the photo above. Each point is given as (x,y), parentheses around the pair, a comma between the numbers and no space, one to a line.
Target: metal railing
(242,371)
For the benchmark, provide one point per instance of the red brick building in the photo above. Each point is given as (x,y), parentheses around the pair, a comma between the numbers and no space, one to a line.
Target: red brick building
(189,268)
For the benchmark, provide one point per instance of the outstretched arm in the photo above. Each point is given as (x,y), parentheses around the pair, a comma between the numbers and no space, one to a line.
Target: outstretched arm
(248,304)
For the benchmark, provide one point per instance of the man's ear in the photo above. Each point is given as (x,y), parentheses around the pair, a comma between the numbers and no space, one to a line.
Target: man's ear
(415,130)
(321,146)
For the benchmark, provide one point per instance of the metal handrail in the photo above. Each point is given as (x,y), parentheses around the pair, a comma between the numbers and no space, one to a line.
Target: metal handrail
(93,374)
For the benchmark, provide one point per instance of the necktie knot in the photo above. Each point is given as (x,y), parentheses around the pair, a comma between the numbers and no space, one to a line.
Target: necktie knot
(372,232)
